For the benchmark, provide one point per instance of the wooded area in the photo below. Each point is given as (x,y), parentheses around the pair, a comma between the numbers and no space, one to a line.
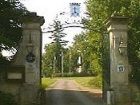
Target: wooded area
(92,46)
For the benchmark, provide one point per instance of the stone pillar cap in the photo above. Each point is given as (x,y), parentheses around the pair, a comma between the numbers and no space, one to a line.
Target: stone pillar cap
(117,20)
(34,18)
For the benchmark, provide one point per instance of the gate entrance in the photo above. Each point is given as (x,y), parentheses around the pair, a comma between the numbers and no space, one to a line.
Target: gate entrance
(116,90)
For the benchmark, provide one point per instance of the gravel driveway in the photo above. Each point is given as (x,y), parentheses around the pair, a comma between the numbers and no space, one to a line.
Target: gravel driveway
(68,92)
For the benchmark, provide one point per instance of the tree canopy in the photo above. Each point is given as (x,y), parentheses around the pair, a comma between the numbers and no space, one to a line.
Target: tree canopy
(52,59)
(95,41)
(11,12)
(99,11)
(10,23)
(93,44)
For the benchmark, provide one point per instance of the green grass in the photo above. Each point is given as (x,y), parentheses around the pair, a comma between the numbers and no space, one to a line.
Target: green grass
(46,82)
(91,82)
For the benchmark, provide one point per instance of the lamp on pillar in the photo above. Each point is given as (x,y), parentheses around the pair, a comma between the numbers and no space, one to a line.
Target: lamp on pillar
(30,47)
(122,48)
(30,56)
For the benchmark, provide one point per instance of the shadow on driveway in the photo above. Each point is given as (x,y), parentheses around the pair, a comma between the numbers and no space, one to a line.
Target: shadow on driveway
(72,97)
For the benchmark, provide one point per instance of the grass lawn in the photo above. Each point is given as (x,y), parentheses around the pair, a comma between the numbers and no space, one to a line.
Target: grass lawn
(46,82)
(91,82)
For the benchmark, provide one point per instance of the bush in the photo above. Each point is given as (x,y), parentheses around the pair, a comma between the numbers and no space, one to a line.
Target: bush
(7,99)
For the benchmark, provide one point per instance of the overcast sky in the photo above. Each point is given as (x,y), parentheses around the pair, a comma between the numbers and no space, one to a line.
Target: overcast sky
(49,9)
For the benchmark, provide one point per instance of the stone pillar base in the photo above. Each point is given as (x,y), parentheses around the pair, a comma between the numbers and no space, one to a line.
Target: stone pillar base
(28,94)
(122,96)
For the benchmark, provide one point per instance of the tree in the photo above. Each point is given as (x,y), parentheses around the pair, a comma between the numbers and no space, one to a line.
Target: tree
(58,45)
(77,51)
(87,46)
(48,60)
(57,37)
(99,11)
(11,13)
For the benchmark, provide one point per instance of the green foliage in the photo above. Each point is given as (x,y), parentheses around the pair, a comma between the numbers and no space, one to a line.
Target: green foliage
(100,10)
(96,82)
(46,82)
(57,36)
(75,51)
(93,45)
(3,61)
(91,82)
(52,59)
(10,24)
(48,60)
(87,45)
(7,99)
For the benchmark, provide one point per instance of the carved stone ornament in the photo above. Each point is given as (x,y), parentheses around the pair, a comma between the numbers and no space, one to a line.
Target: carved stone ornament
(30,57)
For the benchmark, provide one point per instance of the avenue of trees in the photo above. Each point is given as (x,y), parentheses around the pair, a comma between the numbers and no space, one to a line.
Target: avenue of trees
(92,45)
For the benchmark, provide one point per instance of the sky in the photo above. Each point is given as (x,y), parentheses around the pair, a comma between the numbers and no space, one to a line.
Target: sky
(51,9)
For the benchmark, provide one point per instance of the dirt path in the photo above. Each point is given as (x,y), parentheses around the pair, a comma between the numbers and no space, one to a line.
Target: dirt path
(68,92)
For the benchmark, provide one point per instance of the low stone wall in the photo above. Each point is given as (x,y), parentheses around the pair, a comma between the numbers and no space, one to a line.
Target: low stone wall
(24,94)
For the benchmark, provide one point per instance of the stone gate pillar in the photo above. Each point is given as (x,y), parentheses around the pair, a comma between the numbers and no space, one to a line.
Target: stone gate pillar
(29,56)
(32,37)
(29,53)
(119,66)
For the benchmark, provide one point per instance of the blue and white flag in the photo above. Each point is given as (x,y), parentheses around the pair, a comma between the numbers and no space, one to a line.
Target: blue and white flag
(75,9)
